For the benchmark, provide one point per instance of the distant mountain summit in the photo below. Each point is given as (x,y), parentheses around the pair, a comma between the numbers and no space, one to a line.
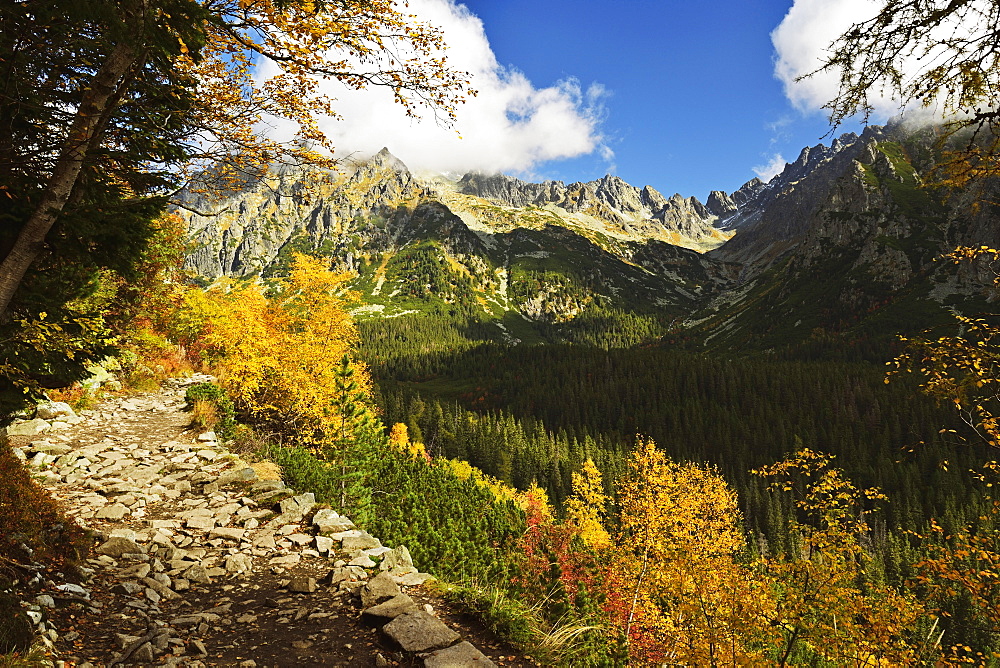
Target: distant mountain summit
(843,234)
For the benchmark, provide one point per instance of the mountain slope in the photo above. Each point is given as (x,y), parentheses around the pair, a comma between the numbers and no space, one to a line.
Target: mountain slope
(842,242)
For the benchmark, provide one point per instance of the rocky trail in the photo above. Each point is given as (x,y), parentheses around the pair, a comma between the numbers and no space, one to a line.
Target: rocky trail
(204,560)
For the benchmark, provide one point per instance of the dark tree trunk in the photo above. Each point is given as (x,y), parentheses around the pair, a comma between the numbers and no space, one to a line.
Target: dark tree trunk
(83,135)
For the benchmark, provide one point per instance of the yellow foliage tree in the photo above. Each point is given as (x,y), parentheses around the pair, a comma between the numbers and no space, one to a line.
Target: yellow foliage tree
(825,603)
(399,438)
(685,597)
(586,506)
(279,357)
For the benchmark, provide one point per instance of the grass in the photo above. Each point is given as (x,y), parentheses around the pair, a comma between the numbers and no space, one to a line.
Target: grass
(35,657)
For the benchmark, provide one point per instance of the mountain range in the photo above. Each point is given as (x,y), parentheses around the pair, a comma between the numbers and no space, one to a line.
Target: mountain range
(843,242)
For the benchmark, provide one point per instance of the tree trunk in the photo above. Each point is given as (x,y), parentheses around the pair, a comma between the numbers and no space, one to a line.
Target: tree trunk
(82,136)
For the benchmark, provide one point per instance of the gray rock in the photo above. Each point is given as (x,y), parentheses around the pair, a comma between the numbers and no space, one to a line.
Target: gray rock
(127,588)
(328,521)
(197,573)
(362,542)
(49,448)
(143,655)
(200,523)
(116,547)
(297,506)
(227,533)
(241,475)
(303,585)
(323,544)
(413,579)
(379,588)
(388,610)
(115,511)
(53,409)
(45,601)
(419,632)
(28,428)
(362,560)
(238,563)
(124,533)
(160,588)
(399,557)
(462,655)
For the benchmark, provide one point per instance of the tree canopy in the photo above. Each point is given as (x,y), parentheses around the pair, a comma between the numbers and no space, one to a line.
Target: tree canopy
(943,55)
(109,106)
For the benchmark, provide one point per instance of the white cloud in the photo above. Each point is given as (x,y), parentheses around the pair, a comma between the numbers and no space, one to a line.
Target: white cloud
(510,126)
(771,169)
(803,38)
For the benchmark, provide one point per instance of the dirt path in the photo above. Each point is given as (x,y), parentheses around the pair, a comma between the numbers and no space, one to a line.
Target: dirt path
(193,568)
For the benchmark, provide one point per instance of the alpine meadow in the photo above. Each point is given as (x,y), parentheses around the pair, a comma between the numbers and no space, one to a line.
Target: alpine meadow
(329,338)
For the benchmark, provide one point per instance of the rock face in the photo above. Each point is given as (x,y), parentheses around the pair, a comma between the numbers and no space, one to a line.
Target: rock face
(639,212)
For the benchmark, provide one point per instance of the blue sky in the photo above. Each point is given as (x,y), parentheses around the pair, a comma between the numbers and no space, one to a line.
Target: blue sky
(693,103)
(682,96)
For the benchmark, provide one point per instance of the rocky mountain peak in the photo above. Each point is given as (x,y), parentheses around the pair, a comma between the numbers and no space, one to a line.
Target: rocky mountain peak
(387,160)
(721,204)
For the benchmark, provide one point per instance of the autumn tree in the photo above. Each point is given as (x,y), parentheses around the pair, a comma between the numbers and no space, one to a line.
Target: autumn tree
(943,55)
(677,587)
(827,605)
(109,107)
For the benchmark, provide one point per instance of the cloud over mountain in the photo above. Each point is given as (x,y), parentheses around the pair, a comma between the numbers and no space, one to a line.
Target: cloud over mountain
(511,125)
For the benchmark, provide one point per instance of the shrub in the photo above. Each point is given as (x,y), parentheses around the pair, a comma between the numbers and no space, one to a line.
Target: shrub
(208,403)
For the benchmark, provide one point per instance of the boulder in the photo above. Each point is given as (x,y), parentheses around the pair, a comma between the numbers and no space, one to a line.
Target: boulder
(117,546)
(419,632)
(328,521)
(50,410)
(389,610)
(397,558)
(28,428)
(462,655)
(358,543)
(379,588)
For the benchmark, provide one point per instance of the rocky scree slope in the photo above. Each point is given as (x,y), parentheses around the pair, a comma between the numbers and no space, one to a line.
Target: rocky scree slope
(205,560)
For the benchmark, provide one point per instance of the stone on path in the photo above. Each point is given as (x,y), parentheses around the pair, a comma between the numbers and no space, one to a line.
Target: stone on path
(388,610)
(379,588)
(303,585)
(117,546)
(28,428)
(462,655)
(53,409)
(362,542)
(115,511)
(328,521)
(398,557)
(419,632)
(238,563)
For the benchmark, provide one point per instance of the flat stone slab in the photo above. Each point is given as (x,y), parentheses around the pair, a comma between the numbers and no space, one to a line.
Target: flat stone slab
(389,610)
(462,655)
(419,632)
(115,511)
(116,547)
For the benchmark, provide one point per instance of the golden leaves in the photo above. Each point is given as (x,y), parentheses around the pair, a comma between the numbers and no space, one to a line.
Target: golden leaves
(278,356)
(359,43)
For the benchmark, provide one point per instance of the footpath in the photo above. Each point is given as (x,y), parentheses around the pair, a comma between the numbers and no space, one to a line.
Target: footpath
(202,559)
